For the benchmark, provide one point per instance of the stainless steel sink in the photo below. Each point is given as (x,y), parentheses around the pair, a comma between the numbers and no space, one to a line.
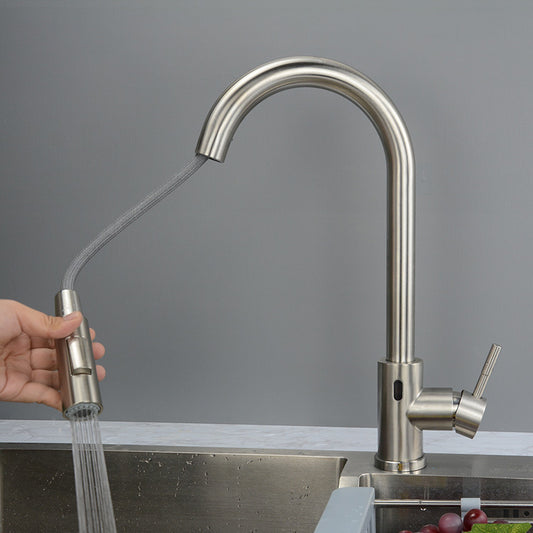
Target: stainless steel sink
(222,490)
(172,489)
(426,498)
(408,501)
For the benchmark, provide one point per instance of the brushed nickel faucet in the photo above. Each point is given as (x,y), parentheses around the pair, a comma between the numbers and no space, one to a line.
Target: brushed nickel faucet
(405,407)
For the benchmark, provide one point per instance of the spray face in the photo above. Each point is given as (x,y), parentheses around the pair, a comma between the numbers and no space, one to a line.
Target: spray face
(75,360)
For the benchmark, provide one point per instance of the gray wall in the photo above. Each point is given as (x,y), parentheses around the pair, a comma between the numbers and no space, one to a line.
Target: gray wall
(256,294)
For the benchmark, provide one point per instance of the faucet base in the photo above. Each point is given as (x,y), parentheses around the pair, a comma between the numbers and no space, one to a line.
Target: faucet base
(400,466)
(399,441)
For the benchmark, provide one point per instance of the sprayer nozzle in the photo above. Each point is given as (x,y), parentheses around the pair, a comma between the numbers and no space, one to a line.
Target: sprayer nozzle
(77,369)
(82,411)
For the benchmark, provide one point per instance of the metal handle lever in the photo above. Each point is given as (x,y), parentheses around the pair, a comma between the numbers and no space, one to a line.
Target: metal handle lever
(487,370)
(471,407)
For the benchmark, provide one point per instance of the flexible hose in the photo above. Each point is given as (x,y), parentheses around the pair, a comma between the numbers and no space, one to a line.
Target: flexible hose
(126,219)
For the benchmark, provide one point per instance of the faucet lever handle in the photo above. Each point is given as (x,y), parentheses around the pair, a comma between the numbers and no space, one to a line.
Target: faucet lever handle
(487,370)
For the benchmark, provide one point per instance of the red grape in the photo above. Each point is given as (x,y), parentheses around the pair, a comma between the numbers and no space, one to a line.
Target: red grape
(450,523)
(474,516)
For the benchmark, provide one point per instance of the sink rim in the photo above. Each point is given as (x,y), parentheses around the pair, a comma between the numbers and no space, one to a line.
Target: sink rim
(355,463)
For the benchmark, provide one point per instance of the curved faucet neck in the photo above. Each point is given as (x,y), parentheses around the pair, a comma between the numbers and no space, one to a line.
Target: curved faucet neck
(243,95)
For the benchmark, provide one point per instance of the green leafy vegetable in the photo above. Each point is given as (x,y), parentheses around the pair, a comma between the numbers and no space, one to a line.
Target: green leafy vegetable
(501,528)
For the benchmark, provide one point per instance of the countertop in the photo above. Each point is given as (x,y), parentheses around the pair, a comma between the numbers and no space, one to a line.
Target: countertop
(261,437)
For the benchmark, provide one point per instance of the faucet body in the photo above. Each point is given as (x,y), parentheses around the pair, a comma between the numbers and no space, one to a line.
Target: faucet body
(404,407)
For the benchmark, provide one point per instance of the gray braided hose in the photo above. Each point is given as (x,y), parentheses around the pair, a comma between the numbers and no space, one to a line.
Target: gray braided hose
(126,219)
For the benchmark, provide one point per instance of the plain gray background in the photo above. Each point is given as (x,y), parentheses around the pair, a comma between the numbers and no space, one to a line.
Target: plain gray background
(256,293)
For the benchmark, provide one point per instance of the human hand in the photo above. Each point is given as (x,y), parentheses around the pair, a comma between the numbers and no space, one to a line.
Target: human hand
(28,357)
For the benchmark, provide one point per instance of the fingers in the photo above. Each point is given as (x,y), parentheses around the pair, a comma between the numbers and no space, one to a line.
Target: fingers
(100,372)
(39,393)
(50,378)
(37,324)
(43,359)
(98,350)
(42,342)
(98,347)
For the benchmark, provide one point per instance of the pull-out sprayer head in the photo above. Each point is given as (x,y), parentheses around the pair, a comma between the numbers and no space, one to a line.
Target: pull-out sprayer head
(80,391)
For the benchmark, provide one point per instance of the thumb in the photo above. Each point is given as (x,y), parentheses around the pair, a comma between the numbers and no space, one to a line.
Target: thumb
(61,326)
(35,323)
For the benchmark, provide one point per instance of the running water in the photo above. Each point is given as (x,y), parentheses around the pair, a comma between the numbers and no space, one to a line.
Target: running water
(93,497)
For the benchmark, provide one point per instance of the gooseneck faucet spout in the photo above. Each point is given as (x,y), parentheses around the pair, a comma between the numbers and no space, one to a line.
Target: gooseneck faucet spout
(405,408)
(235,103)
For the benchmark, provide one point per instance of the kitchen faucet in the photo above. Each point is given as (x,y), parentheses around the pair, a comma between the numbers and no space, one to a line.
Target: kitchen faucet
(405,408)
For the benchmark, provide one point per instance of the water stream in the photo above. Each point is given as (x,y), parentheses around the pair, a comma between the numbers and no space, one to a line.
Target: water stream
(93,497)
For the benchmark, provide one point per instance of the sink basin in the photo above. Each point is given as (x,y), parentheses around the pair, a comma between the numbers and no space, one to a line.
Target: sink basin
(432,496)
(171,489)
(177,489)
(408,501)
